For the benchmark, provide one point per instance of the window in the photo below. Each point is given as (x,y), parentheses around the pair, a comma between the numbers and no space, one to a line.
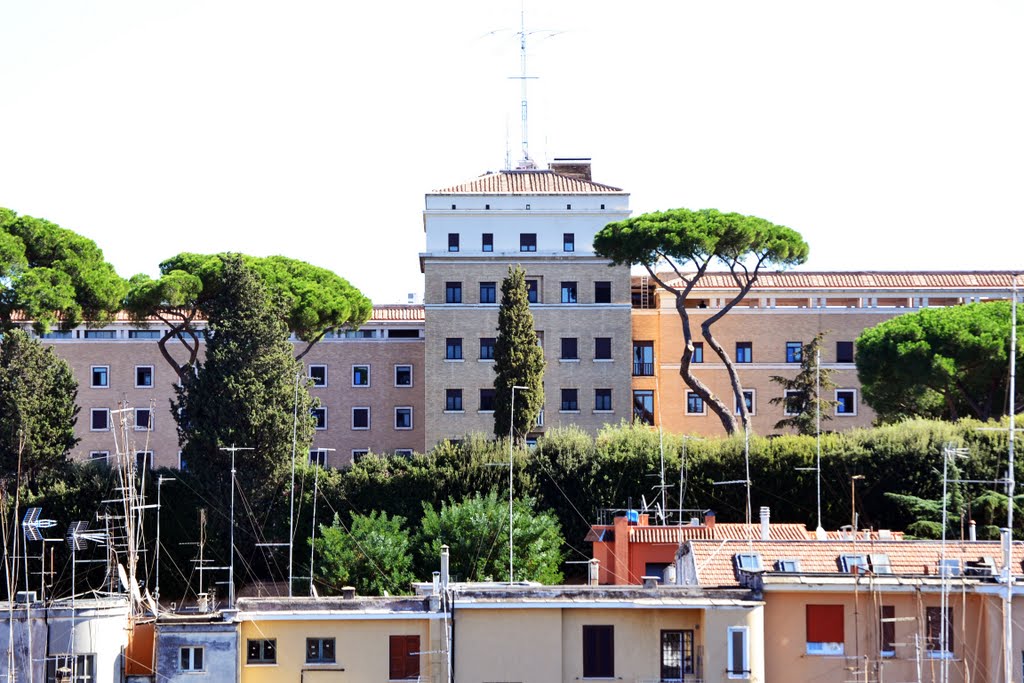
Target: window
(846,402)
(569,293)
(750,562)
(643,359)
(359,453)
(318,457)
(568,241)
(99,420)
(676,654)
(880,563)
(698,353)
(748,399)
(403,657)
(887,631)
(453,400)
(940,631)
(532,292)
(143,420)
(360,375)
(143,460)
(143,376)
(787,564)
(453,241)
(602,292)
(487,242)
(319,418)
(488,293)
(598,651)
(361,418)
(82,668)
(99,456)
(744,352)
(603,400)
(738,656)
(487,400)
(182,463)
(144,334)
(403,375)
(261,651)
(570,350)
(404,452)
(794,402)
(320,650)
(100,334)
(453,348)
(570,400)
(403,334)
(486,348)
(453,292)
(318,375)
(403,418)
(844,351)
(852,562)
(825,634)
(694,404)
(949,567)
(528,241)
(794,351)
(190,659)
(643,407)
(100,376)
(602,348)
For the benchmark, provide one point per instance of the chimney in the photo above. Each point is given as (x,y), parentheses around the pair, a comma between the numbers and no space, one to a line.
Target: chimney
(645,520)
(765,523)
(650,581)
(578,168)
(348,593)
(709,519)
(436,587)
(973,531)
(444,567)
(594,572)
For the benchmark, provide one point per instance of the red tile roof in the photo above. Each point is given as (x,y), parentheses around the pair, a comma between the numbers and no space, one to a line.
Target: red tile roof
(528,182)
(867,280)
(720,531)
(409,312)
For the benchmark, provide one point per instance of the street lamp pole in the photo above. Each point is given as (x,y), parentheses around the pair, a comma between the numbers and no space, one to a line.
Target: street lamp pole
(511,432)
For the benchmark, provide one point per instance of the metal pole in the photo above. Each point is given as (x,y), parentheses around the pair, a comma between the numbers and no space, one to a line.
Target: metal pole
(231,564)
(159,486)
(312,538)
(1010,486)
(511,428)
(291,515)
(817,427)
(944,665)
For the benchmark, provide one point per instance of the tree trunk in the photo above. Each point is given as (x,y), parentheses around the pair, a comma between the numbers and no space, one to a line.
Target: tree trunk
(712,401)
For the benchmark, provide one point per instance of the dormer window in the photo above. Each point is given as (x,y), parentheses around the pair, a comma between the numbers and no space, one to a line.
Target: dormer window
(853,562)
(880,563)
(750,562)
(949,567)
(790,565)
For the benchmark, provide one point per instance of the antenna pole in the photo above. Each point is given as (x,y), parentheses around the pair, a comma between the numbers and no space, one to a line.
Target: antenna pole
(159,485)
(1010,486)
(312,538)
(817,430)
(522,82)
(231,565)
(291,515)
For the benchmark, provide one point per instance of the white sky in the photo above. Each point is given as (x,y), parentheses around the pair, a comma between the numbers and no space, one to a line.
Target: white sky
(890,133)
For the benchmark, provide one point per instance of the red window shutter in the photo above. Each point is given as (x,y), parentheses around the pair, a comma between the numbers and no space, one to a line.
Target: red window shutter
(412,661)
(396,666)
(825,624)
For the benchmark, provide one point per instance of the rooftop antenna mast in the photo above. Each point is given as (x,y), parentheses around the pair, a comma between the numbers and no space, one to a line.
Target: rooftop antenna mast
(526,162)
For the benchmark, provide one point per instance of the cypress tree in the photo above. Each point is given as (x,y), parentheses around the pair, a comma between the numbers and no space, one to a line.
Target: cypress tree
(518,360)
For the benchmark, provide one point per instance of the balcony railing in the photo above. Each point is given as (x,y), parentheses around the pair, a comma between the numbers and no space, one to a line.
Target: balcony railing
(643,369)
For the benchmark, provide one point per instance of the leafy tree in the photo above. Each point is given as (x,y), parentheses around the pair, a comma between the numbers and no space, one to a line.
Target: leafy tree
(476,532)
(940,362)
(804,401)
(53,276)
(518,361)
(315,300)
(37,409)
(680,238)
(373,555)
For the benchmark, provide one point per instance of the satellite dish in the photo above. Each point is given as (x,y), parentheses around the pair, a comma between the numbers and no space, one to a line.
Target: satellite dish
(122,576)
(643,503)
(151,603)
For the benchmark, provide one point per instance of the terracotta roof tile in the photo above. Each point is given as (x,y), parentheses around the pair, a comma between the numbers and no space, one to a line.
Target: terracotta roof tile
(867,280)
(408,312)
(528,182)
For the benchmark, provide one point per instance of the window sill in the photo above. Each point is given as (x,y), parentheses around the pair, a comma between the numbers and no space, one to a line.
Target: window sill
(485,412)
(99,387)
(454,412)
(569,412)
(403,386)
(846,414)
(403,429)
(360,429)
(143,386)
(454,360)
(568,360)
(485,360)
(696,414)
(604,360)
(603,412)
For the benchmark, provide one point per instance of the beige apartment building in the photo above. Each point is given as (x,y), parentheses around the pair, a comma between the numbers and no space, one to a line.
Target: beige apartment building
(545,222)
(764,334)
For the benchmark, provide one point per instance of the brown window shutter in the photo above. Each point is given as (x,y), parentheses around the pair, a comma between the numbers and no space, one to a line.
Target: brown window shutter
(396,666)
(412,662)
(825,624)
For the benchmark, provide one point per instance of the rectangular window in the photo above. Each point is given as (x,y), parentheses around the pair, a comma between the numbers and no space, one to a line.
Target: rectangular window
(602,292)
(319,650)
(143,376)
(318,457)
(403,375)
(487,242)
(488,292)
(528,241)
(99,420)
(99,456)
(602,348)
(100,376)
(403,657)
(453,241)
(403,418)
(453,292)
(487,400)
(844,351)
(940,631)
(261,651)
(788,564)
(853,562)
(738,656)
(318,375)
(794,402)
(748,561)
(603,399)
(359,453)
(694,403)
(676,655)
(825,634)
(698,353)
(143,420)
(532,292)
(568,241)
(748,398)
(643,359)
(360,375)
(453,400)
(361,418)
(569,293)
(794,351)
(744,352)
(570,348)
(143,460)
(403,452)
(846,402)
(71,668)
(570,400)
(453,348)
(319,418)
(598,651)
(144,334)
(887,631)
(487,348)
(191,659)
(643,407)
(101,334)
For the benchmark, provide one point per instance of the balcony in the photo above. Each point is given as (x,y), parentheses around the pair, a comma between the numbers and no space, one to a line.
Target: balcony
(643,369)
